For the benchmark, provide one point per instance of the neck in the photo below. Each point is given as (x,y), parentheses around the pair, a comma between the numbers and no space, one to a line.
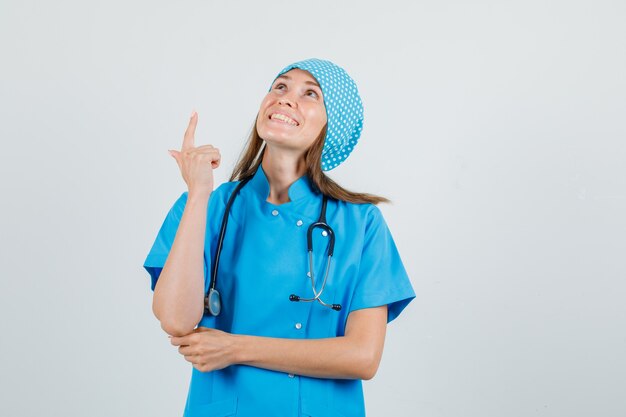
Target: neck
(281,171)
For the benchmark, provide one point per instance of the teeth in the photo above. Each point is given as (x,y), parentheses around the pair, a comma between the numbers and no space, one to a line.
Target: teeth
(284,118)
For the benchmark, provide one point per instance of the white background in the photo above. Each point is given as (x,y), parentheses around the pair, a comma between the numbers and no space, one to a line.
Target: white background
(497,129)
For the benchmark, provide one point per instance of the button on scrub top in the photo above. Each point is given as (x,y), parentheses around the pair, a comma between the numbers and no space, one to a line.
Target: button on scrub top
(264,260)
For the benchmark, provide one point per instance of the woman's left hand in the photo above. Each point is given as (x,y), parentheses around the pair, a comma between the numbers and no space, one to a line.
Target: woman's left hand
(207,349)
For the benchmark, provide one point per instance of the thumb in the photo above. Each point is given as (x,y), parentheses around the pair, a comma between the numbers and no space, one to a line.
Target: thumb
(174,154)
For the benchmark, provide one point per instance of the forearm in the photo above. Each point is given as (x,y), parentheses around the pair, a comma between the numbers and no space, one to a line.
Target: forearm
(178,300)
(337,357)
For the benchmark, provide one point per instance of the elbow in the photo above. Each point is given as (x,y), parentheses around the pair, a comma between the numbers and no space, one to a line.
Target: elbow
(176,321)
(368,372)
(179,323)
(174,324)
(369,366)
(176,329)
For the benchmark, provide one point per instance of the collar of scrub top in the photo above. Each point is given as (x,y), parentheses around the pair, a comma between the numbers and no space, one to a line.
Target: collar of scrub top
(300,189)
(344,108)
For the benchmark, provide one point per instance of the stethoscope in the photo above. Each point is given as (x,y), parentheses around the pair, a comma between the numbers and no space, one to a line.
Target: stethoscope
(212,300)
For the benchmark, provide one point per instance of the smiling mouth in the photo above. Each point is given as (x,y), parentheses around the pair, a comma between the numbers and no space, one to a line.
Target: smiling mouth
(283,119)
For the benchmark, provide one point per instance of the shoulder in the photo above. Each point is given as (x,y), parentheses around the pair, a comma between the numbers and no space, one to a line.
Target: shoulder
(217,198)
(361,216)
(224,190)
(360,210)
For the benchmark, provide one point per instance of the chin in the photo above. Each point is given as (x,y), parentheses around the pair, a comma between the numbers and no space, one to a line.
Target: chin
(276,140)
(271,135)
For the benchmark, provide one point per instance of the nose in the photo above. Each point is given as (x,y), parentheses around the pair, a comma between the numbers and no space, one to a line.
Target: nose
(289,97)
(285,100)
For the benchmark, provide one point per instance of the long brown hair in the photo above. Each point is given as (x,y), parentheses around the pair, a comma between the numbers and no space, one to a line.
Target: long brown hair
(252,155)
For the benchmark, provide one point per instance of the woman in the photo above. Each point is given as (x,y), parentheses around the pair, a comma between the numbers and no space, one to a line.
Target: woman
(292,332)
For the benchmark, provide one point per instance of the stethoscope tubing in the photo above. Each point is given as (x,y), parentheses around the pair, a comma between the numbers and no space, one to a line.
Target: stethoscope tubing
(220,241)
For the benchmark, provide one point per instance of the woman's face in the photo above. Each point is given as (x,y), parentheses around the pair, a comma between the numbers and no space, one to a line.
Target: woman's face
(292,113)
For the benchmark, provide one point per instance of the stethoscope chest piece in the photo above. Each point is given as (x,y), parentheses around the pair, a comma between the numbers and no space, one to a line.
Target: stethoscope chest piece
(212,302)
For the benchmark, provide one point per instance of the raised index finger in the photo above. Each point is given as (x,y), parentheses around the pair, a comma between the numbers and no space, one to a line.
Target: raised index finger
(190,132)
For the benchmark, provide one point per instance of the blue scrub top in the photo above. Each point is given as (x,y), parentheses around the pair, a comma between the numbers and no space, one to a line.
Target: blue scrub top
(264,260)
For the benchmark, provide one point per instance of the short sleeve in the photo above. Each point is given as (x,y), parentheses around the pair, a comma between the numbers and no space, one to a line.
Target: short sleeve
(165,238)
(382,278)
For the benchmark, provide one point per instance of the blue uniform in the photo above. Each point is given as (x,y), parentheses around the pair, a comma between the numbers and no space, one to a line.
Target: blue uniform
(264,260)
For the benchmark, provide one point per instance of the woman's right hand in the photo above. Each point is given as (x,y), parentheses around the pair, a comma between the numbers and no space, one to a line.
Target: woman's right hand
(196,163)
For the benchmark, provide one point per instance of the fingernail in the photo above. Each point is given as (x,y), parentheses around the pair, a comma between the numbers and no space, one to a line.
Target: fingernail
(193,113)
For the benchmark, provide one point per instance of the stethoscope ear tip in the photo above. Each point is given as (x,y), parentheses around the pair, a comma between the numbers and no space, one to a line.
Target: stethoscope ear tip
(336,307)
(294,297)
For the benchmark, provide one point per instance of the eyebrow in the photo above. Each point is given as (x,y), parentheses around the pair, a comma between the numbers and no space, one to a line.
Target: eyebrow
(307,81)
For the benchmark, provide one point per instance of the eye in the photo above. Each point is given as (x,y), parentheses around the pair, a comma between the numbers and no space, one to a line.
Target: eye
(277,87)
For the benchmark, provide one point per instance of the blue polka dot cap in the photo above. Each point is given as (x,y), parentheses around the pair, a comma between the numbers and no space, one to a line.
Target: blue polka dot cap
(344,109)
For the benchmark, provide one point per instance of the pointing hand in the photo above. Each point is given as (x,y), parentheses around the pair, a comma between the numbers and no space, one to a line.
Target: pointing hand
(196,163)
